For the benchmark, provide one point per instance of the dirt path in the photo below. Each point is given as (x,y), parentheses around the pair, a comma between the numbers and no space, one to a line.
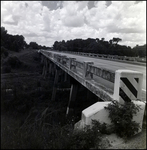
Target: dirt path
(136,142)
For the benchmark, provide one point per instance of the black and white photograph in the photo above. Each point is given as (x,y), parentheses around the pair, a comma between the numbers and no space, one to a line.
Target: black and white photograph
(73,74)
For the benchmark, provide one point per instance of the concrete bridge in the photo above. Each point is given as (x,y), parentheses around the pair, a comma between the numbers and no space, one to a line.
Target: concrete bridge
(107,79)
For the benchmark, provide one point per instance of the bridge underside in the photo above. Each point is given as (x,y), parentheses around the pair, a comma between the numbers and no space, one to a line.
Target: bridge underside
(72,85)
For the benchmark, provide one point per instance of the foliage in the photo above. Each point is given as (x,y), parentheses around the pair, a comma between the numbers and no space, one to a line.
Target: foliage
(12,61)
(46,125)
(121,116)
(6,69)
(4,52)
(17,42)
(33,45)
(12,42)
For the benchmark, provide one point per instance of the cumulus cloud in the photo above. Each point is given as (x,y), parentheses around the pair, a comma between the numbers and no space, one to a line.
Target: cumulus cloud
(48,21)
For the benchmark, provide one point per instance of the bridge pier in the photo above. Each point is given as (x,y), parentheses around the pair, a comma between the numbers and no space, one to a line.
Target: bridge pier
(51,69)
(65,77)
(45,67)
(55,83)
(72,98)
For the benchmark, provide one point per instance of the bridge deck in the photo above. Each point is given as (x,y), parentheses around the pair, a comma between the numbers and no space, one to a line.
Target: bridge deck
(98,82)
(113,65)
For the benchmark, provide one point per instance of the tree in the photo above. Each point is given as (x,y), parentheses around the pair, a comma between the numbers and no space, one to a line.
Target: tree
(97,40)
(33,45)
(102,39)
(12,42)
(116,40)
(110,41)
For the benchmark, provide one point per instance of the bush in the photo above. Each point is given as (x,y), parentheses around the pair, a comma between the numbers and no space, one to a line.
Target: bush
(121,116)
(89,137)
(6,69)
(4,51)
(13,61)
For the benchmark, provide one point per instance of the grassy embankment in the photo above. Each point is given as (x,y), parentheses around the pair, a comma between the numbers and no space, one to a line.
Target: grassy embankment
(29,119)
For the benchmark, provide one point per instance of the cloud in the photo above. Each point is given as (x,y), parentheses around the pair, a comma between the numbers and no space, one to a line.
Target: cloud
(49,21)
(73,21)
(10,20)
(73,14)
(52,5)
(30,34)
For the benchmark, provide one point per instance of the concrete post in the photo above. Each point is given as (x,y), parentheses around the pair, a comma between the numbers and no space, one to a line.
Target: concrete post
(127,85)
(65,76)
(63,60)
(72,98)
(86,73)
(50,68)
(61,76)
(49,63)
(55,84)
(71,66)
(42,59)
(53,72)
(43,71)
(46,68)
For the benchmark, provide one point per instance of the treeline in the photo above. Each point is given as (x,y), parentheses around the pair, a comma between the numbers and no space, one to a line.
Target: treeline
(100,46)
(16,42)
(90,45)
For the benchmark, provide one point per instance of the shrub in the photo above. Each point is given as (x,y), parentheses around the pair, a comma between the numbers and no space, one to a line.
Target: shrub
(121,116)
(6,69)
(4,51)
(12,61)
(89,137)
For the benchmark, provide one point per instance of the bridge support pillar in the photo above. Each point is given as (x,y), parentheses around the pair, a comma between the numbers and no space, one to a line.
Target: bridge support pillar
(51,69)
(54,68)
(44,61)
(43,72)
(55,83)
(65,76)
(72,98)
(45,68)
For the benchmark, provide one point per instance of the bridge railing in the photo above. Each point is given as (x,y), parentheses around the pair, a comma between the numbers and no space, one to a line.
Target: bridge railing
(88,68)
(102,72)
(116,57)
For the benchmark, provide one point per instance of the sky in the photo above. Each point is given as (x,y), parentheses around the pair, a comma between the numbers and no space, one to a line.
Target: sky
(45,22)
